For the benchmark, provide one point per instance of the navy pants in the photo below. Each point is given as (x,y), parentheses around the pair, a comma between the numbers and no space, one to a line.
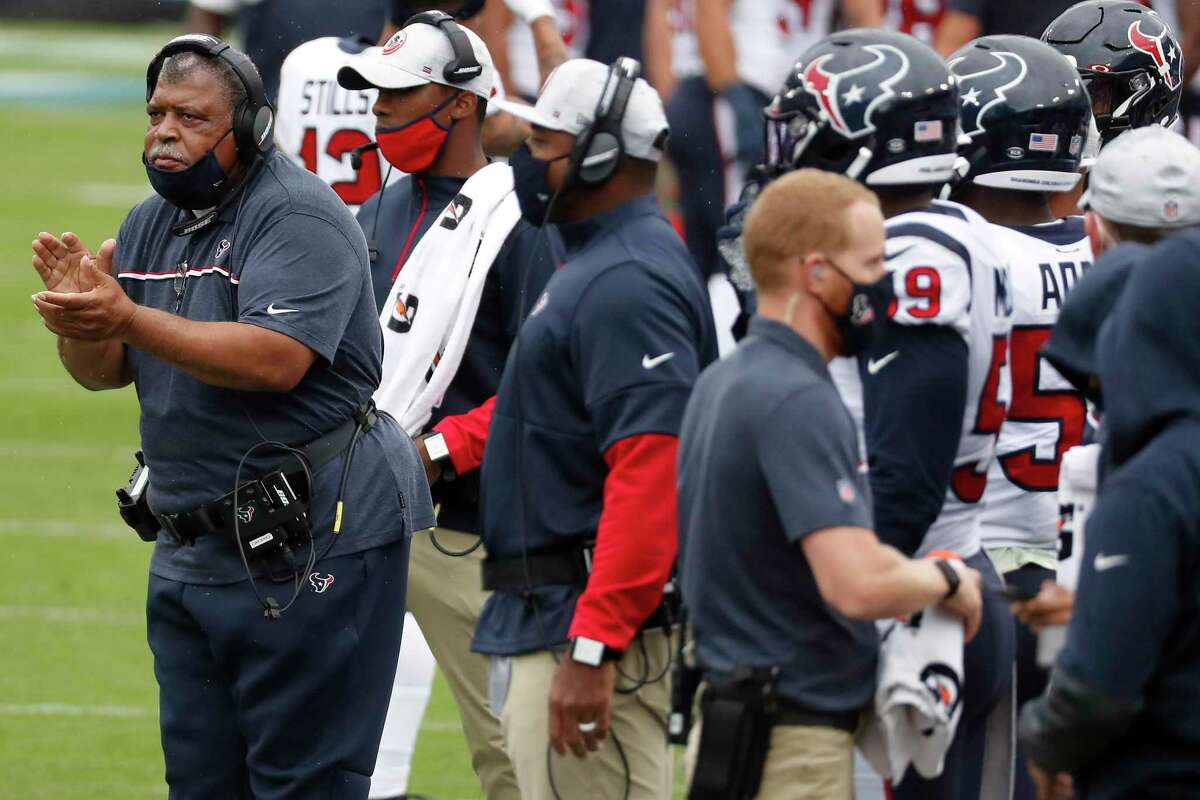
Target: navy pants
(1031,679)
(272,709)
(987,669)
(696,154)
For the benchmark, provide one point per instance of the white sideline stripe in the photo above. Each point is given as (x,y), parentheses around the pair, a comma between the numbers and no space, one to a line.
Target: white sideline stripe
(90,616)
(63,528)
(67,710)
(30,448)
(58,48)
(112,195)
(441,726)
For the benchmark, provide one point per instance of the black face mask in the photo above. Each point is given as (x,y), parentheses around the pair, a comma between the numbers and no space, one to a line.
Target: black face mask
(865,313)
(198,186)
(529,181)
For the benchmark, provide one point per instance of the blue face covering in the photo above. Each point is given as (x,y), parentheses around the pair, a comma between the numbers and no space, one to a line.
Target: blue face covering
(198,186)
(530,184)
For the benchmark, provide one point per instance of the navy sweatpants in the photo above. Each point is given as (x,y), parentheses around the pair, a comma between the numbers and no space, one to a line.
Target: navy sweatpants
(987,668)
(271,709)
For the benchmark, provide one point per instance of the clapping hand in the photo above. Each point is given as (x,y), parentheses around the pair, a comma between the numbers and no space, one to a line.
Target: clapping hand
(85,301)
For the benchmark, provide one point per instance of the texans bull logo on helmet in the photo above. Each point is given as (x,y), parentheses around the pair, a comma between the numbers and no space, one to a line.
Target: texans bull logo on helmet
(1161,50)
(983,90)
(849,96)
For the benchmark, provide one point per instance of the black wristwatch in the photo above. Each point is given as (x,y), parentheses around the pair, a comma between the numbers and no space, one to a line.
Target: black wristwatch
(439,453)
(950,574)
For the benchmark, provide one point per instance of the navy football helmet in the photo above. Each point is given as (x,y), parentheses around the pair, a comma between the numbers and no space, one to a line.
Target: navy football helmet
(877,106)
(1025,112)
(1128,59)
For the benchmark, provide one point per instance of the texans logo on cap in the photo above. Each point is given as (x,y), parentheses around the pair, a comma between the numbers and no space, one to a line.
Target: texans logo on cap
(850,96)
(983,90)
(395,43)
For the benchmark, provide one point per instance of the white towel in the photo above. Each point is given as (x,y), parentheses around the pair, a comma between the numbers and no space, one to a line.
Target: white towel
(918,695)
(1078,477)
(431,308)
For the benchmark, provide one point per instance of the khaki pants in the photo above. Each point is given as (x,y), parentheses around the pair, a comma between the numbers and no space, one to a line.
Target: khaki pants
(638,722)
(445,597)
(804,763)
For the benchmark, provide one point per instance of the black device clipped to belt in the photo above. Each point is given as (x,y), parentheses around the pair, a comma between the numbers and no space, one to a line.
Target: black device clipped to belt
(266,517)
(738,717)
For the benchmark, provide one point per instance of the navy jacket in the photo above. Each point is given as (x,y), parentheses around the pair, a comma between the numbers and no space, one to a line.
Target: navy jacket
(1123,709)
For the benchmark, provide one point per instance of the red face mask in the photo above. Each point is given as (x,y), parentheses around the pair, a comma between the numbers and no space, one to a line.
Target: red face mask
(413,148)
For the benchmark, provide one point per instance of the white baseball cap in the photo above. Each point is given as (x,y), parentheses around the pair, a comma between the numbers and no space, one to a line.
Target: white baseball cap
(568,102)
(414,56)
(1149,177)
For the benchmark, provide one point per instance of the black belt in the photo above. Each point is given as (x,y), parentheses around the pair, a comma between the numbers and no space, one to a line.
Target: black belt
(792,714)
(217,515)
(569,567)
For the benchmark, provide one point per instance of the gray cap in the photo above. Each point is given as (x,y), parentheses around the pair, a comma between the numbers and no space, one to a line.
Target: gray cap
(1149,177)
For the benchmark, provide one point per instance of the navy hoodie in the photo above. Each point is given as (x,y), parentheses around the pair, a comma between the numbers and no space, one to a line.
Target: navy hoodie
(1123,709)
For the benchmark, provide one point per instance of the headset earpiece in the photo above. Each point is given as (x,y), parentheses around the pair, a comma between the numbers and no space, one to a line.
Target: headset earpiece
(465,66)
(253,120)
(600,147)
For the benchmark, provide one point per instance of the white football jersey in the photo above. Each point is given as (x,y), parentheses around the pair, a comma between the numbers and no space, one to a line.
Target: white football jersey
(572,17)
(771,34)
(318,123)
(918,18)
(948,270)
(1046,416)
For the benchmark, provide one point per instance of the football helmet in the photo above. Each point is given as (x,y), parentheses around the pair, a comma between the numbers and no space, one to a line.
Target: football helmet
(877,106)
(1129,61)
(1025,113)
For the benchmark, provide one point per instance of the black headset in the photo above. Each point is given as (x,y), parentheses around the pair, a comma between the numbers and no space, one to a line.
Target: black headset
(599,147)
(254,119)
(465,66)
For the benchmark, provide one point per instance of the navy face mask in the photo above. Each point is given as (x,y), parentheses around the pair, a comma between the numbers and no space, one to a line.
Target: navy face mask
(865,313)
(196,187)
(529,182)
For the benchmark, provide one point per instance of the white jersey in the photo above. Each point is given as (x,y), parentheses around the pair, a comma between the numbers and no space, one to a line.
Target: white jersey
(771,34)
(318,123)
(948,270)
(918,18)
(572,18)
(768,35)
(1046,417)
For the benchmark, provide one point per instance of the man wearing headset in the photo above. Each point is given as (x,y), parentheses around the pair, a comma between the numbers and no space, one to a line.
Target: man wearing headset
(452,262)
(578,478)
(238,301)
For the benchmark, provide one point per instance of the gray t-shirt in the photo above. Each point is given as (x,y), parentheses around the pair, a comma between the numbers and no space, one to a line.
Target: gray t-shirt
(767,455)
(288,257)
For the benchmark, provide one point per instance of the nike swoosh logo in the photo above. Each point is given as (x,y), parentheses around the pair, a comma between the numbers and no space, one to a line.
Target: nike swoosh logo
(899,253)
(651,363)
(271,309)
(875,365)
(1103,562)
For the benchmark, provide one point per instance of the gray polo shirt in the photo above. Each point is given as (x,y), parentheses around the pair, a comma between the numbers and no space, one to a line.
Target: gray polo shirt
(767,455)
(290,258)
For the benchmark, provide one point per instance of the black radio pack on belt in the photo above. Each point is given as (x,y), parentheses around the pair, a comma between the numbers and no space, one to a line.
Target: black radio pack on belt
(268,514)
(737,718)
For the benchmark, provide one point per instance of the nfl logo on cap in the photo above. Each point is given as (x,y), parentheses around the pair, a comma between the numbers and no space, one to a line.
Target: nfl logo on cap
(1170,210)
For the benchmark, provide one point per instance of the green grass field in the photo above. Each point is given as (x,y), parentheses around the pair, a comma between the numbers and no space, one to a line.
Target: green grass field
(78,701)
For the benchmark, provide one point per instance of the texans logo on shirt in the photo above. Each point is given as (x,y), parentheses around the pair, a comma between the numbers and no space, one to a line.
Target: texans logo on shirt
(1162,51)
(943,684)
(983,90)
(245,514)
(404,313)
(222,249)
(320,582)
(849,96)
(455,212)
